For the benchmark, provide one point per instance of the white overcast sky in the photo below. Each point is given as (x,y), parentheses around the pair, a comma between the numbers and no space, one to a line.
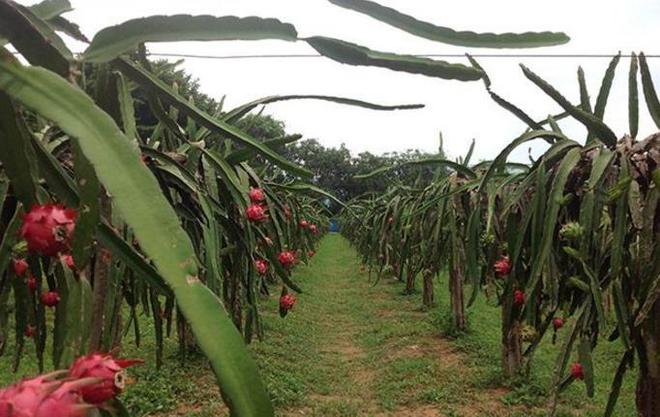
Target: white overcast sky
(462,111)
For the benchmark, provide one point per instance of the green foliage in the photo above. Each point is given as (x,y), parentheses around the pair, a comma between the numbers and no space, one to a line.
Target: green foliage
(113,41)
(449,36)
(352,54)
(578,228)
(160,213)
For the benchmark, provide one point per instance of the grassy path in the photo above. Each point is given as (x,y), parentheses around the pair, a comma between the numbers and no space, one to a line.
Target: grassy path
(353,349)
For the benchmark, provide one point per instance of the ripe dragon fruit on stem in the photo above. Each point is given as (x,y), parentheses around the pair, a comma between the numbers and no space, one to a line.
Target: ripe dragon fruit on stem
(257,195)
(262,266)
(557,323)
(31,282)
(20,266)
(287,259)
(286,303)
(50,298)
(577,370)
(256,213)
(48,229)
(91,381)
(107,370)
(44,396)
(502,266)
(518,298)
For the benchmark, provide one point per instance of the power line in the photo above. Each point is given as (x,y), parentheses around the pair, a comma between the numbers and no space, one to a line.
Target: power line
(293,56)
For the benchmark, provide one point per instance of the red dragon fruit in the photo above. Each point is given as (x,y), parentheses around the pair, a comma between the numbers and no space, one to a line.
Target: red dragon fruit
(108,370)
(503,266)
(19,265)
(286,303)
(311,254)
(256,213)
(262,266)
(44,397)
(303,224)
(29,331)
(48,229)
(557,323)
(577,370)
(287,259)
(50,298)
(257,195)
(32,282)
(313,228)
(518,298)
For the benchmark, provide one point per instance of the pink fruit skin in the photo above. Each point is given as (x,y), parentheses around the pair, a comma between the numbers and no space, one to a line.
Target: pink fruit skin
(287,259)
(304,224)
(32,283)
(256,213)
(262,266)
(256,195)
(287,301)
(519,298)
(557,323)
(503,266)
(20,266)
(50,298)
(41,397)
(577,370)
(108,369)
(48,229)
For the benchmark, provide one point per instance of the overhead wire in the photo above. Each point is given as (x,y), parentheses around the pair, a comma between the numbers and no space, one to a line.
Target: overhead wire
(429,55)
(425,55)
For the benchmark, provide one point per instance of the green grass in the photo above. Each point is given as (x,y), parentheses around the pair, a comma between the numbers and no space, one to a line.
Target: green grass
(351,348)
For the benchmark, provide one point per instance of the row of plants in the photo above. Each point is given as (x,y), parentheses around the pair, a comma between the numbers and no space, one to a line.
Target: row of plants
(120,194)
(120,197)
(567,242)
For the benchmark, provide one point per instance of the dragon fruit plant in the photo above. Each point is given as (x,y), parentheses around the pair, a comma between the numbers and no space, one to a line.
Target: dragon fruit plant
(574,234)
(134,168)
(150,218)
(93,381)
